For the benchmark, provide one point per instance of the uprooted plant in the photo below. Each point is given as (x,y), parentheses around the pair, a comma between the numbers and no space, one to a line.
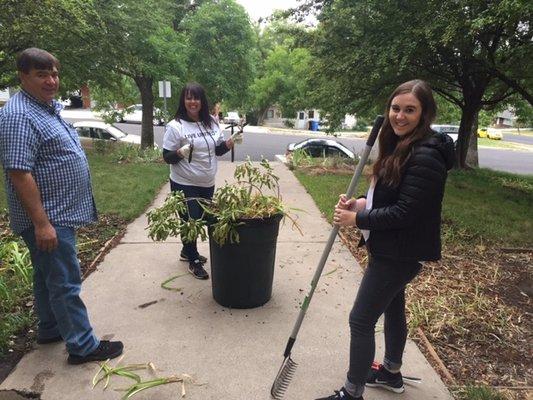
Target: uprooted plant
(231,205)
(106,371)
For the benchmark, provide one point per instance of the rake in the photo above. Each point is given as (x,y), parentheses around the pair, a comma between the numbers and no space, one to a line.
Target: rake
(288,367)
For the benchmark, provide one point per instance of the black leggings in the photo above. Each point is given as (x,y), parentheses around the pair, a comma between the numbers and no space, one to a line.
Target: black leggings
(382,290)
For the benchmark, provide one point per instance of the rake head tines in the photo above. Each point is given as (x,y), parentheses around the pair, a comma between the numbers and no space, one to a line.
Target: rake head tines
(283,378)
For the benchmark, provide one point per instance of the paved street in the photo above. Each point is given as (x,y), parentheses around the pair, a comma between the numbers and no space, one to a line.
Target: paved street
(262,141)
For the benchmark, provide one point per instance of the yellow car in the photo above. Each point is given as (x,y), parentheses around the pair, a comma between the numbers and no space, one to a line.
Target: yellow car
(482,132)
(494,134)
(489,133)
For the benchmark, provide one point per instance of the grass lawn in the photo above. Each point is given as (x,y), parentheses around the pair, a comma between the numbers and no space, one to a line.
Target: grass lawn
(478,205)
(502,144)
(124,189)
(122,192)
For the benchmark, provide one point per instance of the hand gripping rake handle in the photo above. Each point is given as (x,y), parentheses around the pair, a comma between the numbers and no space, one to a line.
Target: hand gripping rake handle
(287,368)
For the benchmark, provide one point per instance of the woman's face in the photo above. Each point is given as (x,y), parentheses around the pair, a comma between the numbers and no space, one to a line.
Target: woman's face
(404,113)
(193,106)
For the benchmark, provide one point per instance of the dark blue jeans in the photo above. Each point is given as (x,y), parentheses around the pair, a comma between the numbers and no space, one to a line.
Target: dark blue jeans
(190,249)
(382,290)
(56,287)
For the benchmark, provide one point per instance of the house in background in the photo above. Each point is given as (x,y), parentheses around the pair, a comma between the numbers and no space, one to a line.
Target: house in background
(273,118)
(504,119)
(305,119)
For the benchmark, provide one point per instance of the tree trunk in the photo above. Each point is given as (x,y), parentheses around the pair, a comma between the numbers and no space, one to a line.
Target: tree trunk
(472,159)
(261,116)
(468,121)
(147,99)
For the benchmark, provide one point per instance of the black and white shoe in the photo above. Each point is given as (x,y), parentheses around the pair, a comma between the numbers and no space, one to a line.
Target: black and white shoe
(196,268)
(184,257)
(380,377)
(341,395)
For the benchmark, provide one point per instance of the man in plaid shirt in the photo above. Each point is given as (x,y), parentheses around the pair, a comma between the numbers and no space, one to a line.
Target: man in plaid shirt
(49,193)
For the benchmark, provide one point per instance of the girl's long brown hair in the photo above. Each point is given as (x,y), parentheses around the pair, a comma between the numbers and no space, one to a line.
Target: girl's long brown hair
(394,151)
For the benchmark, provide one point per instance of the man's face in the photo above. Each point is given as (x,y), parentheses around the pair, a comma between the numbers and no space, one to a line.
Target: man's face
(42,84)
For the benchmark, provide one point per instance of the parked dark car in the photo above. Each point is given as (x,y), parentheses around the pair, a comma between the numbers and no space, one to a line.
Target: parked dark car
(322,148)
(450,130)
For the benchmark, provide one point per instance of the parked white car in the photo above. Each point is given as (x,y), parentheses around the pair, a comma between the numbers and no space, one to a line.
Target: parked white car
(232,117)
(134,113)
(88,131)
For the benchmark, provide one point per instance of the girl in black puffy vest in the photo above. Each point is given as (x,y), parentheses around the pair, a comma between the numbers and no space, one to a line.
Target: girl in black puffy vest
(400,221)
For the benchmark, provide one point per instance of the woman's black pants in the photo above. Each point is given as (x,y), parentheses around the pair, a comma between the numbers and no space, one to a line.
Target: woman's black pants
(195,211)
(382,290)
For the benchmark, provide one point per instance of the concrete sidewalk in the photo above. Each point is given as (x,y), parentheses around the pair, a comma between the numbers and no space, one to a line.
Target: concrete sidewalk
(236,353)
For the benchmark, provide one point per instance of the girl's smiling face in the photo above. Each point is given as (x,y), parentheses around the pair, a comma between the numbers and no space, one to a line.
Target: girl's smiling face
(404,113)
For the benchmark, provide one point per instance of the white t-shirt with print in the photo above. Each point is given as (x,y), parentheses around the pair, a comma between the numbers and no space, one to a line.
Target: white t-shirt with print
(203,166)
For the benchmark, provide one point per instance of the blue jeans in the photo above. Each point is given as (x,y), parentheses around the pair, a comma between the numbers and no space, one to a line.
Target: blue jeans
(382,290)
(190,249)
(56,287)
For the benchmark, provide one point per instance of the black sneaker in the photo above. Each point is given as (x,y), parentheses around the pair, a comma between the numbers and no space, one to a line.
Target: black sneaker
(341,395)
(184,257)
(104,351)
(380,377)
(54,339)
(196,268)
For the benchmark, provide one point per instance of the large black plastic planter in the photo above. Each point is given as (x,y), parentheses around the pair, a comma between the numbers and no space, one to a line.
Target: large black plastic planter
(242,273)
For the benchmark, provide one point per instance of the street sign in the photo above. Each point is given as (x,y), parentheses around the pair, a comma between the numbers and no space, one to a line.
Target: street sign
(164,89)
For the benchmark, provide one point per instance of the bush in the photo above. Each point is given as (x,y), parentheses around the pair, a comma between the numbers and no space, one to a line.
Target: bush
(362,125)
(480,393)
(126,152)
(298,158)
(15,288)
(289,123)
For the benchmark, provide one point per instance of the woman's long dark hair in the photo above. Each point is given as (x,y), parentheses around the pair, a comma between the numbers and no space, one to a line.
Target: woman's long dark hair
(196,91)
(394,151)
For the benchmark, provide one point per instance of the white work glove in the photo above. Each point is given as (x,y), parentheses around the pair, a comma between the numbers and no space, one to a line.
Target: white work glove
(237,137)
(184,151)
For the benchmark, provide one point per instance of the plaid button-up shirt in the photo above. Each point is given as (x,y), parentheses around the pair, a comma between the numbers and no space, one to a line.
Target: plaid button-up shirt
(34,138)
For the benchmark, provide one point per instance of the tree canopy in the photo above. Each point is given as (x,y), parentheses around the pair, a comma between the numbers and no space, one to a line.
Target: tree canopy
(220,43)
(67,28)
(474,53)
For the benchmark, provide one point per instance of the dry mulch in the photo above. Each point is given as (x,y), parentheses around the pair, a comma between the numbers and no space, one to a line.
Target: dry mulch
(474,306)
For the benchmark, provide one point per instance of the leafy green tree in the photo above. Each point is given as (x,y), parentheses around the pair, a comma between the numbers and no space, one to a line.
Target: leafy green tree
(67,28)
(141,43)
(524,114)
(220,43)
(474,53)
(284,82)
(283,68)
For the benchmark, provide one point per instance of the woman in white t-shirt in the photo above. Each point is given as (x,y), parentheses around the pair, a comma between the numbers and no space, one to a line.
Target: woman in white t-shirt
(192,142)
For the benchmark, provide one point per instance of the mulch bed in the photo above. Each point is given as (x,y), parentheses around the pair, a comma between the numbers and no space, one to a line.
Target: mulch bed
(474,307)
(92,241)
